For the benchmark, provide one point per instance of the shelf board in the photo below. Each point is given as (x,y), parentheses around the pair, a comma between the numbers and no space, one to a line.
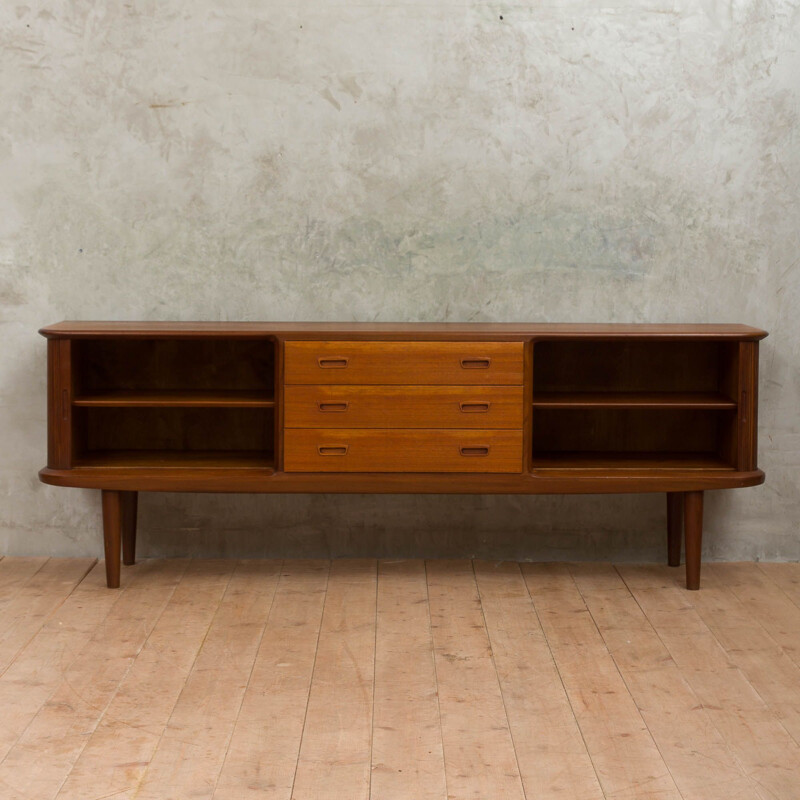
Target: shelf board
(176,459)
(663,400)
(627,461)
(182,399)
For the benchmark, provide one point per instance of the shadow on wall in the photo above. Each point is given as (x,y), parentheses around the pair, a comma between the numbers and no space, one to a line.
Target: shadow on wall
(496,527)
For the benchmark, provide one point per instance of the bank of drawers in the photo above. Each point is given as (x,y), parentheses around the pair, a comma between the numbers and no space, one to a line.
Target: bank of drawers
(403,406)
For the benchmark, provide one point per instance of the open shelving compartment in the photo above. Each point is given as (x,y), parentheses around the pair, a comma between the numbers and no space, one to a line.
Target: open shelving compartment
(634,404)
(170,402)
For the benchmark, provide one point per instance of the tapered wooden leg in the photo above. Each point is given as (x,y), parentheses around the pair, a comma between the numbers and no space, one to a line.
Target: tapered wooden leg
(674,528)
(693,531)
(112,535)
(129,506)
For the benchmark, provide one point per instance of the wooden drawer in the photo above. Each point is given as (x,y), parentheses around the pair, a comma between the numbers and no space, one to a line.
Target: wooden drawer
(422,450)
(403,407)
(458,363)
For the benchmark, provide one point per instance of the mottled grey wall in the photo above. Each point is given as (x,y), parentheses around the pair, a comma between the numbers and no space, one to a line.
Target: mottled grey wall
(575,161)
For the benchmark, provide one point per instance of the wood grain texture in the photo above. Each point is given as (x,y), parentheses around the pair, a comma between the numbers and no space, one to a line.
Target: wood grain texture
(748,643)
(407,755)
(760,743)
(403,407)
(60,383)
(786,576)
(335,753)
(766,603)
(133,720)
(182,399)
(213,672)
(445,330)
(748,405)
(479,756)
(660,400)
(15,572)
(406,363)
(579,479)
(37,670)
(29,607)
(551,753)
(411,450)
(262,756)
(192,748)
(62,726)
(695,753)
(625,756)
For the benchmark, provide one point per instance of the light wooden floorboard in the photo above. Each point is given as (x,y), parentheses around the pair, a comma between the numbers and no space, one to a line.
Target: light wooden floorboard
(15,572)
(192,750)
(761,744)
(697,756)
(768,604)
(407,756)
(35,600)
(335,752)
(787,576)
(37,671)
(61,727)
(365,680)
(749,645)
(262,757)
(136,716)
(552,756)
(479,755)
(622,748)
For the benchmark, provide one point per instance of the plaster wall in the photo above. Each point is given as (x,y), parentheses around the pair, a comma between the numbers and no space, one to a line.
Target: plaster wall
(461,161)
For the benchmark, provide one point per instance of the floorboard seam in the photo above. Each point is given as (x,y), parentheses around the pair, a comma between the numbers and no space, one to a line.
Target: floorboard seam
(711,722)
(563,685)
(435,675)
(311,680)
(622,677)
(497,677)
(143,777)
(249,677)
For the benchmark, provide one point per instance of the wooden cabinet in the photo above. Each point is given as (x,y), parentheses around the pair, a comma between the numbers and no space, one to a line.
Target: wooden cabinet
(505,409)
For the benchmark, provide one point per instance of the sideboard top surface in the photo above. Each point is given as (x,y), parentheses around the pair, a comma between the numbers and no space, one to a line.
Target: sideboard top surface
(397,330)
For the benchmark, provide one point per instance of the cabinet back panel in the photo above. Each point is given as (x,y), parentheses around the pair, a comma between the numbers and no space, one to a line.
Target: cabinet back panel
(629,430)
(227,429)
(631,366)
(175,364)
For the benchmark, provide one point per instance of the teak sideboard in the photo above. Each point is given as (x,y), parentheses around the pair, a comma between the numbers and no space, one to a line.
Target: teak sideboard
(402,408)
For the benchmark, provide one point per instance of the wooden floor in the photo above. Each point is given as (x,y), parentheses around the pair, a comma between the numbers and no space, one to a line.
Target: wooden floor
(358,679)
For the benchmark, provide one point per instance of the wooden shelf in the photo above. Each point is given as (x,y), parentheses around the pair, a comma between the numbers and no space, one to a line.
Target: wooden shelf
(627,461)
(175,399)
(661,400)
(172,459)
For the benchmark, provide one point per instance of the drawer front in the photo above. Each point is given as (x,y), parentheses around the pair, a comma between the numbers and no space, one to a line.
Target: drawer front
(427,450)
(457,363)
(403,407)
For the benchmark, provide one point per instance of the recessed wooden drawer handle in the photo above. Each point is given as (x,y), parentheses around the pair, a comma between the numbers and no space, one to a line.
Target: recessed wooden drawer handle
(333,450)
(474,408)
(333,406)
(332,362)
(476,363)
(477,450)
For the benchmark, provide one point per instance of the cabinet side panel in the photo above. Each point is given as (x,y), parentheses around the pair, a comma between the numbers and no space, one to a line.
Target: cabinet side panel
(280,396)
(59,403)
(748,405)
(729,386)
(527,418)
